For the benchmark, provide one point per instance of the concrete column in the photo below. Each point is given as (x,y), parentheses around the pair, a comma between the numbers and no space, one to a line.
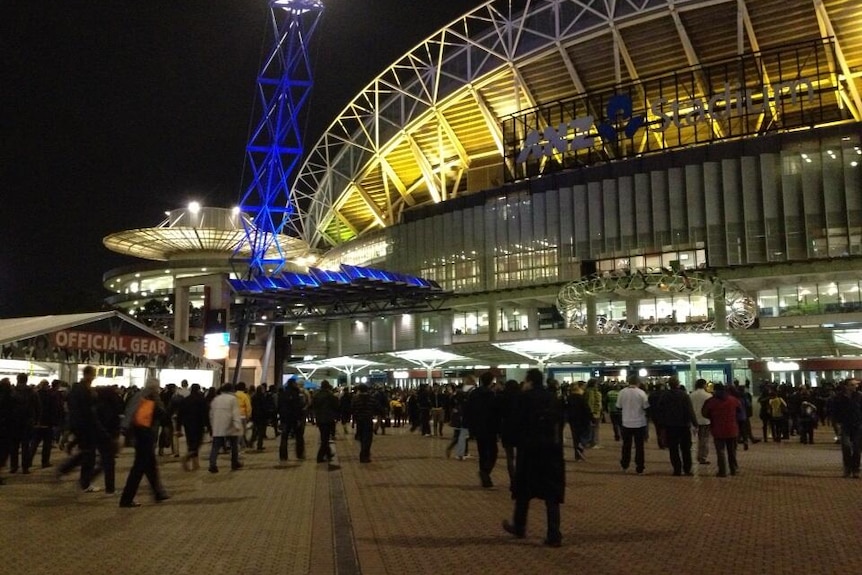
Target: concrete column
(590,302)
(720,307)
(493,319)
(181,313)
(632,314)
(533,321)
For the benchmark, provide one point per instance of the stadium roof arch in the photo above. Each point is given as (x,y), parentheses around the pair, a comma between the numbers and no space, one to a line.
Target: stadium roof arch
(428,129)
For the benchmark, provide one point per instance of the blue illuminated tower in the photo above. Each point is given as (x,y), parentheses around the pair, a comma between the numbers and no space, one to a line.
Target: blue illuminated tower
(275,146)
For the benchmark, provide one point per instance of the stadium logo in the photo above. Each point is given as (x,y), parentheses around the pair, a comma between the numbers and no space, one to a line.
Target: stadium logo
(578,134)
(575,135)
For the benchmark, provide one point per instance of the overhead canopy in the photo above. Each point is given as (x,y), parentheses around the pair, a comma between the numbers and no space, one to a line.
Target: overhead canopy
(587,350)
(348,291)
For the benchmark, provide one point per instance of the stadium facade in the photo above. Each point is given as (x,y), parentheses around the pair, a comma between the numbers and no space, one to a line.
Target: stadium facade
(672,186)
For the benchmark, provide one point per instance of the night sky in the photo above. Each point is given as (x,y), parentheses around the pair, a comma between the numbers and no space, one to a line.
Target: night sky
(113,112)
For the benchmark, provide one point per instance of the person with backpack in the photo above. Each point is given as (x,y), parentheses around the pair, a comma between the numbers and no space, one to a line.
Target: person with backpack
(539,468)
(143,414)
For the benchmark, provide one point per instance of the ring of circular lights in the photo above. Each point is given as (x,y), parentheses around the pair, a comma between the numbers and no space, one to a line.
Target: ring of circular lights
(741,309)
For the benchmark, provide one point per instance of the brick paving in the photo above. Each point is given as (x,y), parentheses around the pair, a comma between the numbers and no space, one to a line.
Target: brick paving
(413,510)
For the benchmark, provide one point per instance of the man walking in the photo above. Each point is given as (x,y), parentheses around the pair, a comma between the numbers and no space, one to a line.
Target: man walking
(325,407)
(633,403)
(847,412)
(88,432)
(539,468)
(698,398)
(141,419)
(226,422)
(483,417)
(25,416)
(677,418)
(721,410)
(364,407)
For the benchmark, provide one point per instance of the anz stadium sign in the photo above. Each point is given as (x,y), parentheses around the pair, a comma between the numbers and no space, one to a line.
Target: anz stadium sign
(755,93)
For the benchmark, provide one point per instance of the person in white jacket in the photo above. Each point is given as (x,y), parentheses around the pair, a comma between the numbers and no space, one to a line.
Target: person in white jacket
(633,403)
(226,424)
(698,398)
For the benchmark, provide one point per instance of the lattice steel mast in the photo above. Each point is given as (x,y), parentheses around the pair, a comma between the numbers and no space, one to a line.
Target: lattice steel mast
(275,147)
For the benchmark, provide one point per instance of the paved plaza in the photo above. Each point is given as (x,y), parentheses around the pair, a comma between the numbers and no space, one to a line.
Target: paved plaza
(412,510)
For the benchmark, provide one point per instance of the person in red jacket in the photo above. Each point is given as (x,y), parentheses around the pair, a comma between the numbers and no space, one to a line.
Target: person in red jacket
(721,409)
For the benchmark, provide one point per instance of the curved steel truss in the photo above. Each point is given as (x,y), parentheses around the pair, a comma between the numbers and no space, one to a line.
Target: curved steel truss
(428,128)
(741,309)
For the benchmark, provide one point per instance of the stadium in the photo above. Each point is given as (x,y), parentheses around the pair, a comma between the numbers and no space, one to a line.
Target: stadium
(666,186)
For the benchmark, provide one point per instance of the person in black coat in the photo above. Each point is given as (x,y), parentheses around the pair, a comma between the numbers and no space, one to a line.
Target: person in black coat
(508,408)
(847,412)
(540,470)
(25,416)
(676,416)
(86,427)
(483,417)
(325,406)
(364,407)
(5,421)
(290,412)
(580,418)
(192,418)
(50,418)
(109,411)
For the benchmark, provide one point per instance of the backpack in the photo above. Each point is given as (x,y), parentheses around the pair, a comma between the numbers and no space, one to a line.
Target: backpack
(144,413)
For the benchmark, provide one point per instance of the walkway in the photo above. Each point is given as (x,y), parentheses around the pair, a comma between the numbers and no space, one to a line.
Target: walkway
(414,511)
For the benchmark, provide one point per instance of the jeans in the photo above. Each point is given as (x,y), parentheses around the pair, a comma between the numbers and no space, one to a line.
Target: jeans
(638,434)
(144,465)
(486,446)
(459,441)
(218,443)
(437,420)
(22,439)
(365,433)
(617,424)
(702,443)
(729,446)
(679,445)
(45,436)
(85,457)
(324,453)
(851,442)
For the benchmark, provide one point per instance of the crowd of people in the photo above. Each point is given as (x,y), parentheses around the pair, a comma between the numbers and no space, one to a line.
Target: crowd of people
(91,424)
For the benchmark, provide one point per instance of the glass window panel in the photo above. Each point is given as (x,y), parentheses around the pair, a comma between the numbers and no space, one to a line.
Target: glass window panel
(848,295)
(828,298)
(647,311)
(807,298)
(788,302)
(664,309)
(767,303)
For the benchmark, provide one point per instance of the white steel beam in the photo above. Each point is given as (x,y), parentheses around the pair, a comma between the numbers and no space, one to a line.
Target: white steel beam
(425,167)
(827,30)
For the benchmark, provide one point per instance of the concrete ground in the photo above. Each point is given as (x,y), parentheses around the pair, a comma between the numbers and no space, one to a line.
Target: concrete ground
(414,511)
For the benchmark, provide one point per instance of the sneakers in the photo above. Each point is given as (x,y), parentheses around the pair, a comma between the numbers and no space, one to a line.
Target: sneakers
(213,469)
(129,504)
(92,489)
